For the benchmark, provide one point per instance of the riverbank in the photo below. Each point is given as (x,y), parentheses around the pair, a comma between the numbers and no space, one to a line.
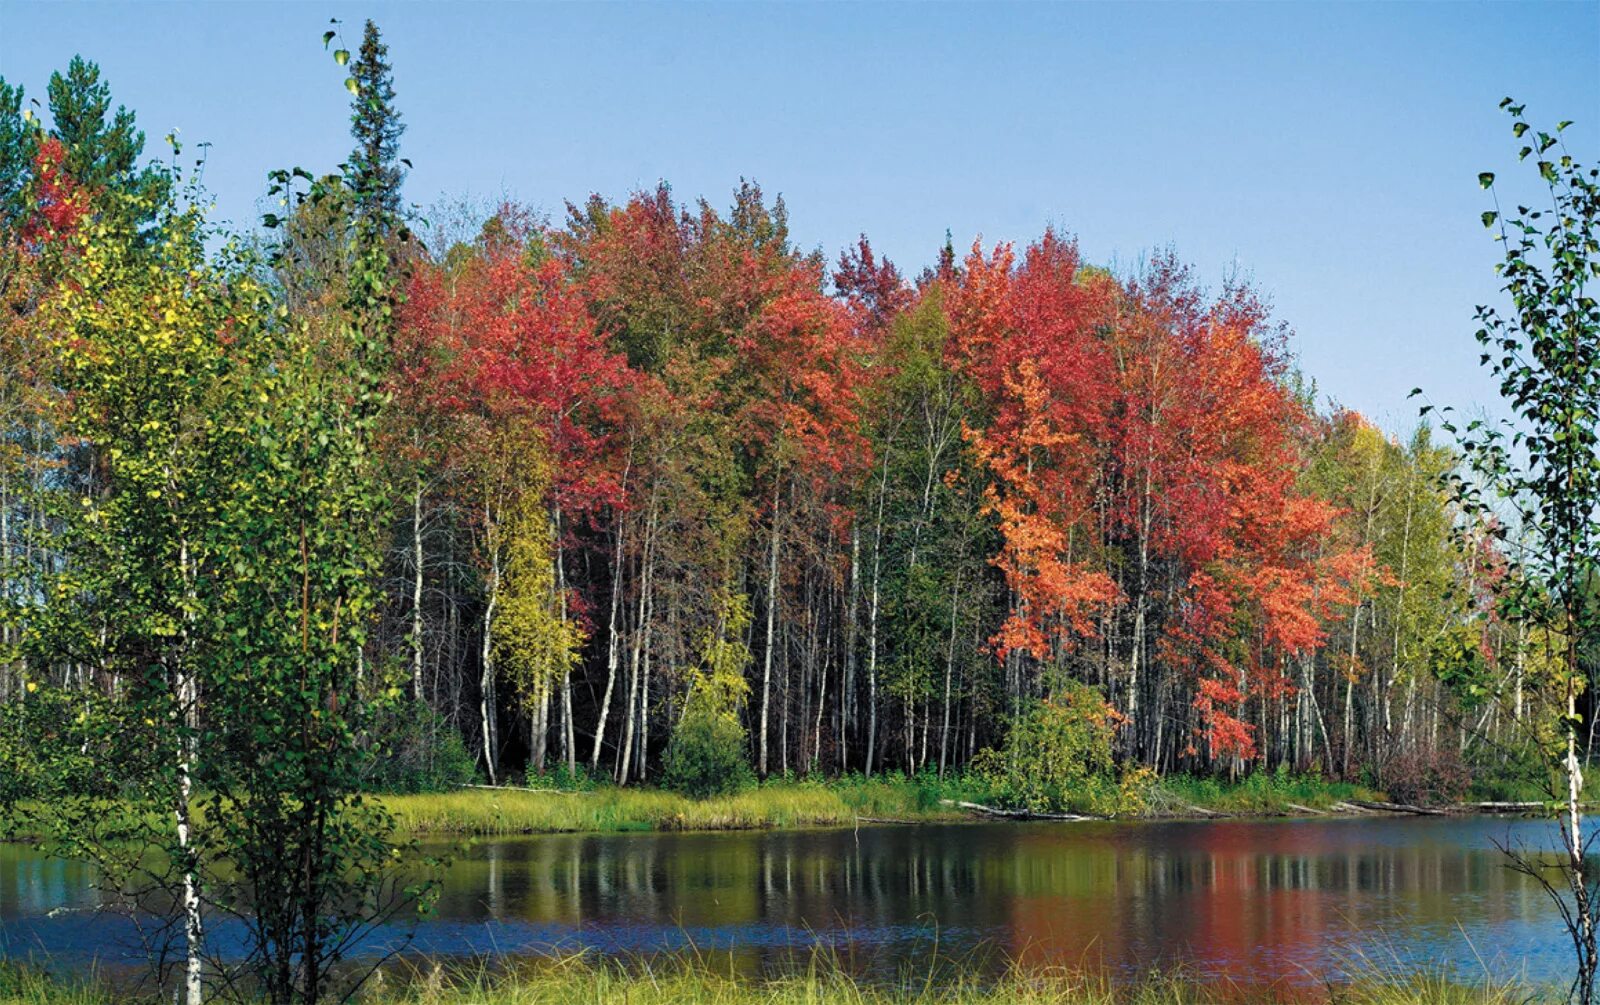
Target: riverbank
(690,981)
(850,801)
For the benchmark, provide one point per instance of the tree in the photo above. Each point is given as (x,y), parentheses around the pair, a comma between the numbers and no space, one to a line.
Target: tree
(102,154)
(1544,465)
(1057,756)
(151,346)
(18,140)
(1026,337)
(374,166)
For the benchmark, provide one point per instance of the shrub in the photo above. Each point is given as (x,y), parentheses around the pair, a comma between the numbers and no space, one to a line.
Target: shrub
(418,752)
(1057,758)
(706,756)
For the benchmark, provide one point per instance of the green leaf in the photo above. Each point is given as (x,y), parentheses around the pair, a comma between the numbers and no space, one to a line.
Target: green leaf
(1489,218)
(327,37)
(1518,129)
(351,85)
(1485,179)
(341,56)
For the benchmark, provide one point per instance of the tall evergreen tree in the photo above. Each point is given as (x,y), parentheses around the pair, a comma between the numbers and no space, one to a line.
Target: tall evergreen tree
(103,147)
(374,169)
(18,144)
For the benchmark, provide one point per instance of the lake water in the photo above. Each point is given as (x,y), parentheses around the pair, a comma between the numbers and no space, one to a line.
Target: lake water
(1293,900)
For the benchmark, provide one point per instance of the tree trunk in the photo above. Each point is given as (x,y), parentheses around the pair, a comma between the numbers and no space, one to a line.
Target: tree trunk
(772,610)
(188,711)
(872,625)
(847,688)
(416,590)
(486,705)
(613,653)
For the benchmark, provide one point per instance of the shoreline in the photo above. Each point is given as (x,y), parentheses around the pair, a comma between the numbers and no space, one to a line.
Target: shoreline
(482,811)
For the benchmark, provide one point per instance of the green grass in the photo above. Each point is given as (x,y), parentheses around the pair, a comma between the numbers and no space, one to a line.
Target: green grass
(611,809)
(1263,793)
(837,803)
(685,981)
(689,980)
(25,985)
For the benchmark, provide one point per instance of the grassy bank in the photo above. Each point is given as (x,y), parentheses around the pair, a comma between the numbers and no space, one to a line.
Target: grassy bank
(687,981)
(609,809)
(1264,793)
(837,803)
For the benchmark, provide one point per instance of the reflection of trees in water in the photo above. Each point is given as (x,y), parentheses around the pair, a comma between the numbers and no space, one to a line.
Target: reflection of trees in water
(813,877)
(30,883)
(1254,894)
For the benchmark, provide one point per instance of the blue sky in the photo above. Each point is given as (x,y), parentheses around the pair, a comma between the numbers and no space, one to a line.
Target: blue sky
(1330,152)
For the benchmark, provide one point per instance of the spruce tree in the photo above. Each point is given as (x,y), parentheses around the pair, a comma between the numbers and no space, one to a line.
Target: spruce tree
(374,168)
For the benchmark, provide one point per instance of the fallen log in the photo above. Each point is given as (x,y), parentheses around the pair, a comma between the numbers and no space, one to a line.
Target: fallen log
(523,788)
(1500,807)
(1306,809)
(996,811)
(1400,808)
(1345,807)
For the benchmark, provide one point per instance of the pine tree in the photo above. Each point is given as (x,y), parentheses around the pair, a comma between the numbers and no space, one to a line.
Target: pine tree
(18,144)
(374,168)
(103,148)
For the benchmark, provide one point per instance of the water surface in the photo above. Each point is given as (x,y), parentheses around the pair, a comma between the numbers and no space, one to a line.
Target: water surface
(1293,901)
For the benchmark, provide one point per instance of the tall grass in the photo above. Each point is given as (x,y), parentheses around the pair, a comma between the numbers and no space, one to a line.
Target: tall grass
(775,805)
(835,803)
(21,984)
(689,980)
(1264,792)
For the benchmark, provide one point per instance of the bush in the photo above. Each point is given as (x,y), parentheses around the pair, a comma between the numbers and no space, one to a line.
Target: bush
(706,756)
(418,751)
(1057,758)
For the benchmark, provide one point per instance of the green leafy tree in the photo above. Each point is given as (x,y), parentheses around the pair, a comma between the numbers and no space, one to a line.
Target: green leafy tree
(19,140)
(537,644)
(152,341)
(306,510)
(1544,466)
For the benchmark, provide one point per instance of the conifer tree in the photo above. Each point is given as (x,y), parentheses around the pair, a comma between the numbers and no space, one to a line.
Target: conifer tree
(103,147)
(374,168)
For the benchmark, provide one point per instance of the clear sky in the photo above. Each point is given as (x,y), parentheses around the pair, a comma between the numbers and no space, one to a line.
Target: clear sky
(1328,151)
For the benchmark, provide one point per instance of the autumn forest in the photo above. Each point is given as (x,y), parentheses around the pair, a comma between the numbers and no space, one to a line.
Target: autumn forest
(904,509)
(373,498)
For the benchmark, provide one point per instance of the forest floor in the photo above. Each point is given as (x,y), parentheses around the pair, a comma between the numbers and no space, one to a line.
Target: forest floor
(692,981)
(841,802)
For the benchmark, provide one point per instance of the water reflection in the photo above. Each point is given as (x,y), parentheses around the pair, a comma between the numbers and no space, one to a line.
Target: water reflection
(1290,900)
